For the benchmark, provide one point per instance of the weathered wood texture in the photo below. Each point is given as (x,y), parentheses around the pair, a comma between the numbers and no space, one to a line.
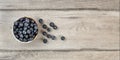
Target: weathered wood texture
(83,29)
(50,55)
(60,4)
(91,32)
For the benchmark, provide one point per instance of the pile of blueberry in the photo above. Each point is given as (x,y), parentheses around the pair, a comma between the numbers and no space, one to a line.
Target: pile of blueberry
(48,29)
(25,29)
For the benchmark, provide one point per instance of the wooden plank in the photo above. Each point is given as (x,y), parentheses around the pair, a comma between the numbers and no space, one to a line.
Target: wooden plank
(60,4)
(50,55)
(83,29)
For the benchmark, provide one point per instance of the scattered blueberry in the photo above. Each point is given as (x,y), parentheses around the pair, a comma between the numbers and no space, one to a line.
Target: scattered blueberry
(48,36)
(53,37)
(55,27)
(44,33)
(45,41)
(41,21)
(48,29)
(51,24)
(62,38)
(44,26)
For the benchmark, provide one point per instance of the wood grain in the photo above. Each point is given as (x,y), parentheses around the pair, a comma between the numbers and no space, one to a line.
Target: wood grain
(91,28)
(60,4)
(82,29)
(50,55)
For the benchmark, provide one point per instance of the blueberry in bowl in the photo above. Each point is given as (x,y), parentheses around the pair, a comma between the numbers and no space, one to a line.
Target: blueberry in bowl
(25,29)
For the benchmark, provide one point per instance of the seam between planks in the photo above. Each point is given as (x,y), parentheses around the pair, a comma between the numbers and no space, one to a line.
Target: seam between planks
(87,49)
(66,9)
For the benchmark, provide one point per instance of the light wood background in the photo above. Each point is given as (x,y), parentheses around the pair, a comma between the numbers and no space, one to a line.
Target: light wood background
(91,28)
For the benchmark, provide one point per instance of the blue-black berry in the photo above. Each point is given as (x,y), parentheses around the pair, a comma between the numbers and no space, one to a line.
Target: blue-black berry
(55,27)
(41,21)
(44,33)
(45,41)
(62,38)
(48,36)
(53,37)
(51,24)
(48,29)
(44,26)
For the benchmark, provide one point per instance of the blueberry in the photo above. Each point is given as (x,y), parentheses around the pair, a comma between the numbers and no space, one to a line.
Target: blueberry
(45,41)
(48,36)
(55,27)
(19,32)
(31,35)
(25,28)
(34,24)
(53,37)
(30,39)
(62,38)
(26,24)
(16,23)
(32,21)
(21,19)
(26,36)
(35,27)
(16,36)
(24,32)
(14,27)
(27,20)
(48,29)
(35,31)
(15,32)
(21,36)
(21,24)
(25,40)
(31,25)
(20,39)
(41,21)
(31,29)
(20,29)
(28,27)
(51,24)
(44,26)
(44,33)
(28,31)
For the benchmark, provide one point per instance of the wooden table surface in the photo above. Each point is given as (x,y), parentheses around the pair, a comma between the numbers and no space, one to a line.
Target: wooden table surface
(91,28)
